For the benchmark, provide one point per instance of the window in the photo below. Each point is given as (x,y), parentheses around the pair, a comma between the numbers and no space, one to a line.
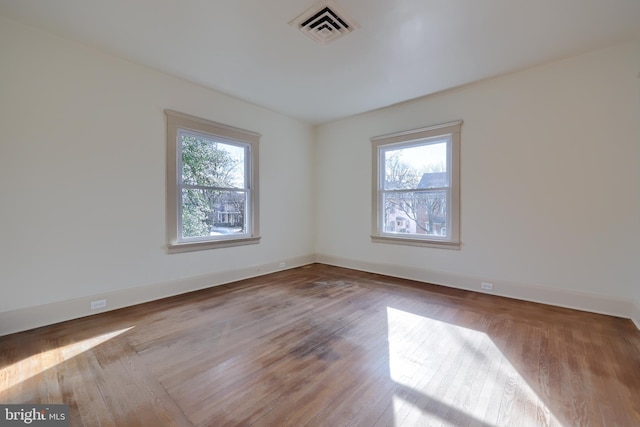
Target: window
(212,185)
(416,187)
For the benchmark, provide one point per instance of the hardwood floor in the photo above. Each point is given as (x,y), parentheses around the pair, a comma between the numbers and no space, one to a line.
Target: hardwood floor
(326,346)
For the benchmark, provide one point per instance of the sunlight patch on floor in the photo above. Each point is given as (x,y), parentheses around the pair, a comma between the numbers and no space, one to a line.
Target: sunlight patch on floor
(451,375)
(38,363)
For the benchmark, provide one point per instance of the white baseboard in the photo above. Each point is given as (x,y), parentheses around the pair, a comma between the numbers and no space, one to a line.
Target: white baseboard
(584,301)
(48,314)
(42,315)
(635,313)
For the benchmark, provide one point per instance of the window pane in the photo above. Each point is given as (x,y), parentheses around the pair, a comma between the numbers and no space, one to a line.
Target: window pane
(415,212)
(211,163)
(213,213)
(405,168)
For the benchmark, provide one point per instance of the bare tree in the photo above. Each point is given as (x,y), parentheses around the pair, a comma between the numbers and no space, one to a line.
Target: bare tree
(424,208)
(398,174)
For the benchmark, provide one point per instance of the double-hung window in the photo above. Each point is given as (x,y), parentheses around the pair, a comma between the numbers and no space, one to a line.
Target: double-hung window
(212,186)
(416,187)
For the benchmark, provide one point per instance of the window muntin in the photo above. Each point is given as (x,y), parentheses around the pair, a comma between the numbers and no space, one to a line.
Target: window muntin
(416,187)
(211,184)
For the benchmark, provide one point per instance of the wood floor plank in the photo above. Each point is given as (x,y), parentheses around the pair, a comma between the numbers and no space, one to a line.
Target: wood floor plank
(327,346)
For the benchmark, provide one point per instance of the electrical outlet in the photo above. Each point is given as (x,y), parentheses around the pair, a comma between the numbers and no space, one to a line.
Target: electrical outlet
(486,286)
(282,265)
(101,303)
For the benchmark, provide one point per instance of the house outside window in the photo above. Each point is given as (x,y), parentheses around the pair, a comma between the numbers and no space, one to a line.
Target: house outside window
(212,184)
(416,187)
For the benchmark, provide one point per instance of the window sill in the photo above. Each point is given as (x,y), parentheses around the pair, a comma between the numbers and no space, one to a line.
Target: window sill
(416,242)
(176,248)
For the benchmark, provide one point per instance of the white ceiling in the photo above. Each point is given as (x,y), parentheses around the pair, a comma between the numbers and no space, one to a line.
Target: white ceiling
(404,49)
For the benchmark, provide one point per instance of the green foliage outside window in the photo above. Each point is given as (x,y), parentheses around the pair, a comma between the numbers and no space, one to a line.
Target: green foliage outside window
(210,172)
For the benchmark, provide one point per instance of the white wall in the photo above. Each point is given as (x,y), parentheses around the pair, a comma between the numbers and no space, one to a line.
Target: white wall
(636,309)
(549,184)
(550,168)
(82,174)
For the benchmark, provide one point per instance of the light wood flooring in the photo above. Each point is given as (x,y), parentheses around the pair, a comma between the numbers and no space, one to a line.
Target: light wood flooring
(326,346)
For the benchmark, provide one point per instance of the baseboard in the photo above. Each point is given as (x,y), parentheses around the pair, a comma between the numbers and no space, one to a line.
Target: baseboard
(48,314)
(42,315)
(635,313)
(584,301)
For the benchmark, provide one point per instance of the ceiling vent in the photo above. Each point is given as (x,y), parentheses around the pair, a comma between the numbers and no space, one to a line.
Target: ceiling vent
(324,22)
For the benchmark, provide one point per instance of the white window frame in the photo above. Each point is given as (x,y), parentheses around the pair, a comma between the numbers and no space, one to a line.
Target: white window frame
(446,131)
(178,123)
